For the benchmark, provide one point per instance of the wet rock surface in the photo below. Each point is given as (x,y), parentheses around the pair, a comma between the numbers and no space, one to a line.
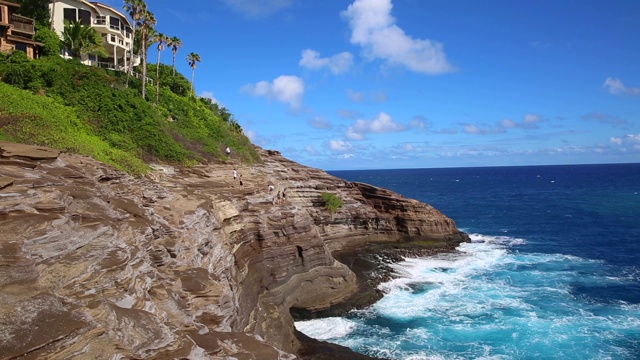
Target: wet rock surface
(184,262)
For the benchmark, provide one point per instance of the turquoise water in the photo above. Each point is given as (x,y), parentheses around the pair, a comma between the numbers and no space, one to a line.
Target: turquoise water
(552,271)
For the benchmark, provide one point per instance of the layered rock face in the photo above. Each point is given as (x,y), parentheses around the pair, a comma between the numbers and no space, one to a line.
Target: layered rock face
(183,263)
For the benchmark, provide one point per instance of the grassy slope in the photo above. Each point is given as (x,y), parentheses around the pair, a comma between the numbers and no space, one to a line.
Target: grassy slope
(64,104)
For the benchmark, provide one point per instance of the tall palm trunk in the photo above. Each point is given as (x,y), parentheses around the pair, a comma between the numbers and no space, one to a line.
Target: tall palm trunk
(133,39)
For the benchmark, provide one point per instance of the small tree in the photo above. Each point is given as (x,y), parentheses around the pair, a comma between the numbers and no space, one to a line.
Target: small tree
(332,202)
(82,39)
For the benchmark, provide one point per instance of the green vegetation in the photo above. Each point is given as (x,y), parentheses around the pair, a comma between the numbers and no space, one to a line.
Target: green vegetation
(88,110)
(332,202)
(82,39)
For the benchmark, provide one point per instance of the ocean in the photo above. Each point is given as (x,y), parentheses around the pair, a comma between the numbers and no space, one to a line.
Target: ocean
(552,271)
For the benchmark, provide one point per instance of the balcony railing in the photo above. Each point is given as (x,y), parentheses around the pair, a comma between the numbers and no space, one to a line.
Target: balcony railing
(22,24)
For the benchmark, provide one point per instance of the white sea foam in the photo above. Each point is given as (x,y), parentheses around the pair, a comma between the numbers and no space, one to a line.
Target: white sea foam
(326,328)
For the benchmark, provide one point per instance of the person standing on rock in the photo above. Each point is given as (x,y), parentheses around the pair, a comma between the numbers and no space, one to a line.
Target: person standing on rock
(235,175)
(228,151)
(240,180)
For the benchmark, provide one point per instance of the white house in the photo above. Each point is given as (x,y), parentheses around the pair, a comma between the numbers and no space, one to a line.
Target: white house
(114,27)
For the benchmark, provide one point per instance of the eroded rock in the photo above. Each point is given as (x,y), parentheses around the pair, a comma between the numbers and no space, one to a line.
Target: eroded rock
(183,263)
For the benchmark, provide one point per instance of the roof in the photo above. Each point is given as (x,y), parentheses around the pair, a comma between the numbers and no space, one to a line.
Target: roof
(23,40)
(9,3)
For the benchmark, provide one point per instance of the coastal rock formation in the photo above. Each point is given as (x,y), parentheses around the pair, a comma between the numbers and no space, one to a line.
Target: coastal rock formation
(182,263)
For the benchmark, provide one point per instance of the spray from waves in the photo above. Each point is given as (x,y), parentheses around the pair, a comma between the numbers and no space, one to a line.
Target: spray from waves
(489,301)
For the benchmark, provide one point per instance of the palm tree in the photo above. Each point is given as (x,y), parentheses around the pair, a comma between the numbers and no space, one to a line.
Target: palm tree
(81,39)
(193,59)
(134,8)
(174,43)
(147,22)
(161,39)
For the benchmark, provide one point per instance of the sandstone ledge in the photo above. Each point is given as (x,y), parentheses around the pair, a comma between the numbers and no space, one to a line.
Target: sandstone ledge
(183,263)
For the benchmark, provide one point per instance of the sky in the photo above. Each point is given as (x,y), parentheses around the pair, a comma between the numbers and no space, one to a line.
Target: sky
(383,84)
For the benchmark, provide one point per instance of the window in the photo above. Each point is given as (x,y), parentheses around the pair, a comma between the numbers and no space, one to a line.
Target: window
(21,46)
(115,22)
(70,14)
(85,17)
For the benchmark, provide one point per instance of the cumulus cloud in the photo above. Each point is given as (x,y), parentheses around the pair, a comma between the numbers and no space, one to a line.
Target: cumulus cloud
(319,122)
(374,29)
(631,139)
(339,145)
(381,124)
(286,89)
(616,87)
(339,63)
(258,8)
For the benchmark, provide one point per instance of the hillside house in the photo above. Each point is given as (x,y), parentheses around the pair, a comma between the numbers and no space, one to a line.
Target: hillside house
(16,31)
(114,27)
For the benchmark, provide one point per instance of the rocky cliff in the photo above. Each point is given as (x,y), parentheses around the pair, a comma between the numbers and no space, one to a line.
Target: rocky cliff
(183,263)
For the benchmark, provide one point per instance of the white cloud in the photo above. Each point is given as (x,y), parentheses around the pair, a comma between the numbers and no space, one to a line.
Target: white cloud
(255,138)
(339,145)
(382,124)
(353,135)
(374,29)
(626,139)
(508,123)
(339,63)
(311,150)
(419,122)
(616,87)
(258,8)
(319,122)
(473,129)
(209,95)
(285,89)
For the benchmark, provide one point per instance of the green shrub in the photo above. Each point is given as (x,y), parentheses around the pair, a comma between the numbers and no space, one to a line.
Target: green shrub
(49,39)
(181,128)
(332,202)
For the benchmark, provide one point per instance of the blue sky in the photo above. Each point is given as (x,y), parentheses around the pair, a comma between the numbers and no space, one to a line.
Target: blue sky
(372,84)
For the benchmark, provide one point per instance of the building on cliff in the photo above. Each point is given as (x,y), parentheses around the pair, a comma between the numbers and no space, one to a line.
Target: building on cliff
(114,27)
(16,31)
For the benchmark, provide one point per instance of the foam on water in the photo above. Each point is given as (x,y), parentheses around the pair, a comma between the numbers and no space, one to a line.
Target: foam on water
(488,301)
(327,328)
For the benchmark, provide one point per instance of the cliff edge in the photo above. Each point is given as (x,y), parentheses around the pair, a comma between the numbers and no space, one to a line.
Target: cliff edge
(182,263)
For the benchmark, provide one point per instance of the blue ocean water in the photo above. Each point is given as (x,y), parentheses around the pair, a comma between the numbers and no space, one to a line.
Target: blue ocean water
(553,271)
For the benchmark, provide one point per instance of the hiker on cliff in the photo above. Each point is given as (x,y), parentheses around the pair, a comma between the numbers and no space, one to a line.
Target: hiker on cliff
(228,151)
(240,180)
(235,175)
